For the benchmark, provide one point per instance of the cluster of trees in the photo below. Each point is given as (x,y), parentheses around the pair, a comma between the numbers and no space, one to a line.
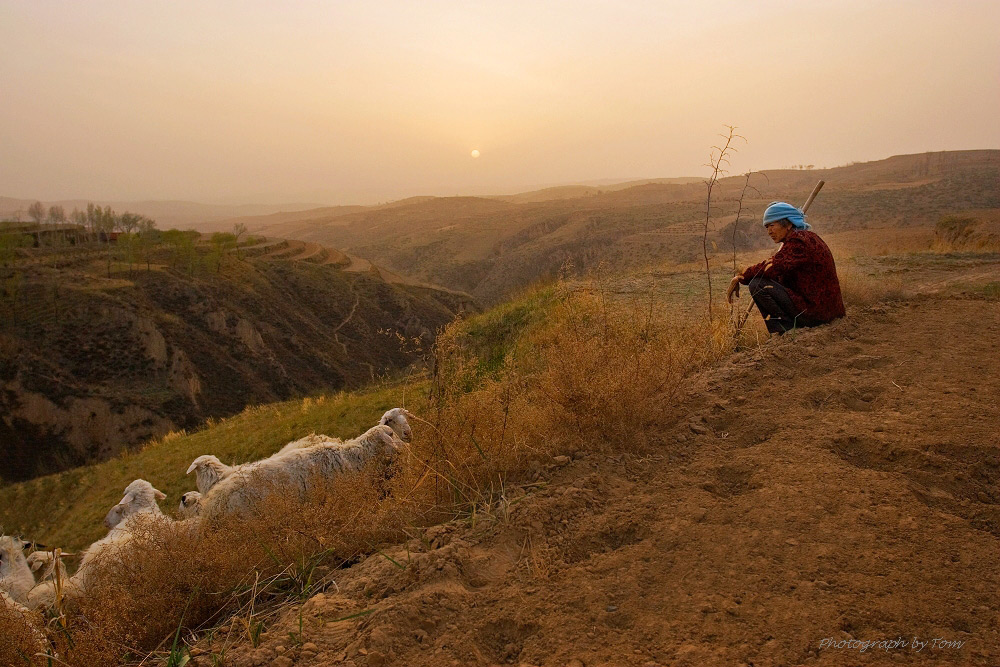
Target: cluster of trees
(99,222)
(117,238)
(54,215)
(128,238)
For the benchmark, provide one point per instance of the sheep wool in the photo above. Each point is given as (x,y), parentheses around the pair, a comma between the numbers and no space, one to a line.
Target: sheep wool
(296,468)
(310,440)
(44,594)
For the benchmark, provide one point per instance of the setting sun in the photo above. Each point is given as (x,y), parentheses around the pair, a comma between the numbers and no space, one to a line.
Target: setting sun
(475,152)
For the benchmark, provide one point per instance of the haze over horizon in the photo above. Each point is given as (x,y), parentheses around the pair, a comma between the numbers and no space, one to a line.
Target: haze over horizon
(355,103)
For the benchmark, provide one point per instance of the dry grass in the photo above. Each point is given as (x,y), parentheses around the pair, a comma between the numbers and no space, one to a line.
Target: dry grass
(19,643)
(582,372)
(862,289)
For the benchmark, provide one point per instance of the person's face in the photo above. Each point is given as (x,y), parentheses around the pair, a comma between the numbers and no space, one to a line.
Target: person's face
(777,231)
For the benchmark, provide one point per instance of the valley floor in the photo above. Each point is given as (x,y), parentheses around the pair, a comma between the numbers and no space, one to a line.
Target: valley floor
(836,484)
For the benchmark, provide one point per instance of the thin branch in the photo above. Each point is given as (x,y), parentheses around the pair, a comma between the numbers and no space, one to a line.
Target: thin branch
(717,157)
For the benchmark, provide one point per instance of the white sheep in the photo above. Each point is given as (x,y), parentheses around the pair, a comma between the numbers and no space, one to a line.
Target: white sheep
(53,578)
(209,471)
(137,506)
(396,419)
(190,505)
(296,468)
(16,578)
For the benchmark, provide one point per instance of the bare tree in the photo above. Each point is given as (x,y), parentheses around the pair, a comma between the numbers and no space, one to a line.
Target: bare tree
(57,214)
(93,218)
(222,242)
(148,237)
(128,222)
(107,221)
(239,229)
(718,160)
(37,211)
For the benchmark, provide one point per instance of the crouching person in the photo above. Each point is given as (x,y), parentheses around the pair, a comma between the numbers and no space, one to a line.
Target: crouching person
(798,286)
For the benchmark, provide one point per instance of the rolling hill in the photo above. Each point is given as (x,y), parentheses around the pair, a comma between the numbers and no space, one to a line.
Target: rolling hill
(491,246)
(92,363)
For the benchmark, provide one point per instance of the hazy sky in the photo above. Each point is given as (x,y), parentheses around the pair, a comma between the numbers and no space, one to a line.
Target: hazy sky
(354,102)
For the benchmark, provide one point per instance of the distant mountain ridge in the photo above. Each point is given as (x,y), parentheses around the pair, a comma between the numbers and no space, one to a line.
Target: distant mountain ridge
(491,246)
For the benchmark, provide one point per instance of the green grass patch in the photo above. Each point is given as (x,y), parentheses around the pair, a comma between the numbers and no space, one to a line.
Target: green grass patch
(492,335)
(68,509)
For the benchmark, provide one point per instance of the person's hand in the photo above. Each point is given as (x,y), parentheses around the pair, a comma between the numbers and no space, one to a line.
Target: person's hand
(734,288)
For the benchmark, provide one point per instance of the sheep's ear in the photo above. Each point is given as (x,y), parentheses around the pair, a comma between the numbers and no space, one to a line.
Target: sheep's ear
(191,468)
(129,497)
(408,414)
(160,495)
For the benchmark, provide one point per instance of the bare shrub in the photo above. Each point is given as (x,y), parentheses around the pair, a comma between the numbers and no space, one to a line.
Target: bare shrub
(610,372)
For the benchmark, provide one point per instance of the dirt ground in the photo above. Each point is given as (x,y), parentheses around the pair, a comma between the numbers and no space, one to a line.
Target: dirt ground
(839,485)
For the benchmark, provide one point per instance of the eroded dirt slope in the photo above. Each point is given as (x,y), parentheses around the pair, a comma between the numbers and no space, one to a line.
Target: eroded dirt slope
(842,484)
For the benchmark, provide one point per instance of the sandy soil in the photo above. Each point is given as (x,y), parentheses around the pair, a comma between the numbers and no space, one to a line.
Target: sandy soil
(840,485)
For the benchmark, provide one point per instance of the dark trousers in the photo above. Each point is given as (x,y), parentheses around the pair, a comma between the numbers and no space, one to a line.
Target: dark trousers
(773,302)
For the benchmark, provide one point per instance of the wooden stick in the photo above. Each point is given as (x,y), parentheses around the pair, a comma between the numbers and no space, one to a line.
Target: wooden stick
(809,202)
(805,207)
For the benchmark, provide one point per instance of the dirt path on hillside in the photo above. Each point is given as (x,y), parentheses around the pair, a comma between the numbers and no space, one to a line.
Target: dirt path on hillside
(840,485)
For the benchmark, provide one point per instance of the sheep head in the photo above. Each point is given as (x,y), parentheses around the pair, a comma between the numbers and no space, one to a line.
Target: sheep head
(384,441)
(190,504)
(11,554)
(114,516)
(139,496)
(47,559)
(37,559)
(208,470)
(396,419)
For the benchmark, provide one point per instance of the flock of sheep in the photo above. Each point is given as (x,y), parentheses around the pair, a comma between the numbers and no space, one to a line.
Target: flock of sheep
(222,490)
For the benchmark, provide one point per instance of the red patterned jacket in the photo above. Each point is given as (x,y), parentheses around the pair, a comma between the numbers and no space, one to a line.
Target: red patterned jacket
(804,266)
